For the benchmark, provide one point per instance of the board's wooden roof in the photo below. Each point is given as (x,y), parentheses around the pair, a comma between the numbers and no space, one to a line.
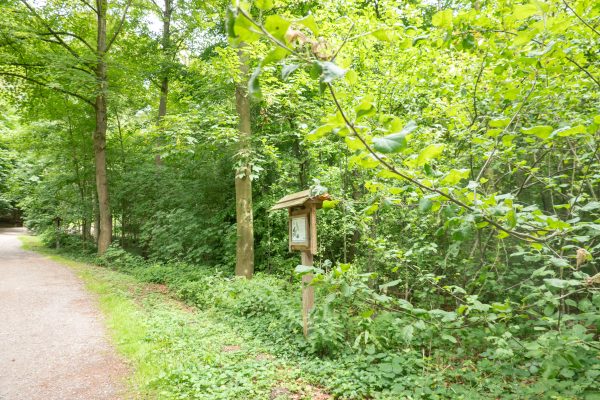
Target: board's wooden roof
(297,199)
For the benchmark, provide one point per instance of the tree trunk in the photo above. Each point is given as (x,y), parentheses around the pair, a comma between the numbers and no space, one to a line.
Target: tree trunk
(244,265)
(85,231)
(164,92)
(57,231)
(80,181)
(166,50)
(123,171)
(105,223)
(96,217)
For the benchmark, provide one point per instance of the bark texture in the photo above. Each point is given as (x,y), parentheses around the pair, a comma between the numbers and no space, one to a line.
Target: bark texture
(105,219)
(167,13)
(243,184)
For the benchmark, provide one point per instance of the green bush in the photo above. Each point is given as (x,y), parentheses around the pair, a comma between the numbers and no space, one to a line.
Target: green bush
(364,343)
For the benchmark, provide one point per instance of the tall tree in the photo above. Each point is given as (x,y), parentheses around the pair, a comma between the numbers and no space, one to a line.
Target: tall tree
(105,223)
(244,265)
(54,53)
(166,15)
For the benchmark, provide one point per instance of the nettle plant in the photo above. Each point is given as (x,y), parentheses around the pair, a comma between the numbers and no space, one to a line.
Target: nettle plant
(496,133)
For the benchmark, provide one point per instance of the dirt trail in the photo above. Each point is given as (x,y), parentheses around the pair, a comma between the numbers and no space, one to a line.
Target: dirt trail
(53,342)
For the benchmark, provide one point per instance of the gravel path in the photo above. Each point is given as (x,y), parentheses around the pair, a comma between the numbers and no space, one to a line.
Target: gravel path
(53,343)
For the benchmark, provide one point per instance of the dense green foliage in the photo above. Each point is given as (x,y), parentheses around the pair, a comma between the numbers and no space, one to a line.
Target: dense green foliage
(460,144)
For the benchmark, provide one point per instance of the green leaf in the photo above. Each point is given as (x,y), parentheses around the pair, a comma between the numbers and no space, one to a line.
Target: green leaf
(319,132)
(275,55)
(230,23)
(561,283)
(390,284)
(244,31)
(329,204)
(449,338)
(502,235)
(330,71)
(372,209)
(264,5)
(537,246)
(445,316)
(277,26)
(442,19)
(559,262)
(511,218)
(468,41)
(419,39)
(425,204)
(455,176)
(304,269)
(309,22)
(499,123)
(541,131)
(354,143)
(420,325)
(523,11)
(391,143)
(351,76)
(429,153)
(525,37)
(568,131)
(287,70)
(364,160)
(591,206)
(394,142)
(494,132)
(254,85)
(385,34)
(507,140)
(407,333)
(315,70)
(541,272)
(365,108)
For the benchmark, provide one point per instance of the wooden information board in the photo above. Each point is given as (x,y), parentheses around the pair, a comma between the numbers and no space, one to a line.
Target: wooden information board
(302,227)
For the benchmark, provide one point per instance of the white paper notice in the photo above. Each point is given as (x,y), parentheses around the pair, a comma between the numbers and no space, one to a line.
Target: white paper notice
(299,234)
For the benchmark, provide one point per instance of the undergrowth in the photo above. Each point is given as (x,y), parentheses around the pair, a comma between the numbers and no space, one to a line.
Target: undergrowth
(350,352)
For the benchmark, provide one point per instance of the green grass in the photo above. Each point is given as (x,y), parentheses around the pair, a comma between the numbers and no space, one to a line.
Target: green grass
(242,339)
(124,318)
(179,352)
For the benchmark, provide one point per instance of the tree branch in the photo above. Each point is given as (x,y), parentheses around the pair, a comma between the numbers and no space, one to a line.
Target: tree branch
(581,19)
(387,165)
(475,111)
(540,43)
(584,70)
(266,32)
(82,40)
(119,27)
(344,42)
(46,85)
(87,3)
(158,8)
(489,160)
(51,31)
(391,168)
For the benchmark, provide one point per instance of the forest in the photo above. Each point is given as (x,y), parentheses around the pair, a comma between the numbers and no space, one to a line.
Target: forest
(458,142)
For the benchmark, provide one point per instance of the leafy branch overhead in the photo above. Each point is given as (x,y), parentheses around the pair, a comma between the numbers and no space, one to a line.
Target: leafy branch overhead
(282,34)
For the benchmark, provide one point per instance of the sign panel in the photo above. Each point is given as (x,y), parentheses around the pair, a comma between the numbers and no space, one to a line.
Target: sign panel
(299,231)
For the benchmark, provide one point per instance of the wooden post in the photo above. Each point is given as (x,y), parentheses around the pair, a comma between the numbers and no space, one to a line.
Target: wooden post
(308,292)
(302,227)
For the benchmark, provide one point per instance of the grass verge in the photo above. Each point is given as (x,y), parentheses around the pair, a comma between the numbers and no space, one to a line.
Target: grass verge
(179,352)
